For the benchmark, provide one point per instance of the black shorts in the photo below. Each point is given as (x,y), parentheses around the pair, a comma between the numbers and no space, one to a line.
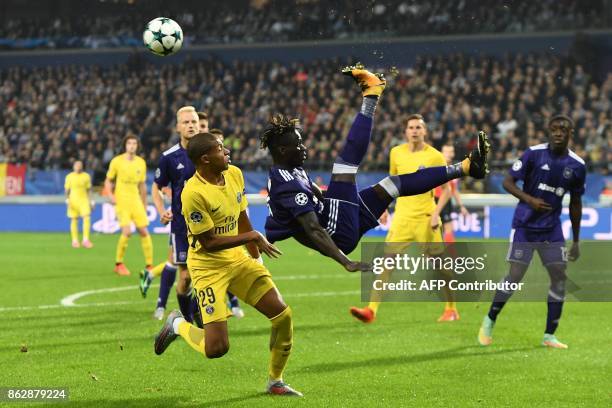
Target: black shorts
(445,214)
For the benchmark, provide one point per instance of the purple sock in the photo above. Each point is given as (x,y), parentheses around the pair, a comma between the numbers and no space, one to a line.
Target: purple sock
(356,145)
(233,299)
(375,204)
(184,302)
(167,280)
(420,181)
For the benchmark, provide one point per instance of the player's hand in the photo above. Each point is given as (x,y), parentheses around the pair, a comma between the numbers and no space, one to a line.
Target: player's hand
(357,266)
(165,217)
(112,199)
(464,211)
(538,204)
(574,252)
(265,246)
(435,221)
(384,218)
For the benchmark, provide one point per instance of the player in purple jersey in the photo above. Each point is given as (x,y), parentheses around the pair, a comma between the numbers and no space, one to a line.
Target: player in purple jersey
(333,224)
(548,171)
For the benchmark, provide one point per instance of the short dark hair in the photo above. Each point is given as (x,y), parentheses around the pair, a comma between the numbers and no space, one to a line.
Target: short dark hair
(128,137)
(202,116)
(216,131)
(561,117)
(278,126)
(199,145)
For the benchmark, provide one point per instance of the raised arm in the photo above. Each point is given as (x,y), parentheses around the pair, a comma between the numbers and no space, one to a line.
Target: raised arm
(324,243)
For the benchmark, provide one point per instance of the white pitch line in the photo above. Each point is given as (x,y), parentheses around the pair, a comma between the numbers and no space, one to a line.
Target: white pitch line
(69,301)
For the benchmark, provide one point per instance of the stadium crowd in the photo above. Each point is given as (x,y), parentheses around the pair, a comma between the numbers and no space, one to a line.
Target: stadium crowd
(121,23)
(54,115)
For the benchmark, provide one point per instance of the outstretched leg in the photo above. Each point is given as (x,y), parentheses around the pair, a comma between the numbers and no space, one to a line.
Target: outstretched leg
(356,145)
(378,197)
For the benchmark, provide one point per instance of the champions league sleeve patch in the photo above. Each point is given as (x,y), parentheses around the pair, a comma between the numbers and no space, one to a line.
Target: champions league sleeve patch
(517,165)
(301,199)
(195,217)
(157,173)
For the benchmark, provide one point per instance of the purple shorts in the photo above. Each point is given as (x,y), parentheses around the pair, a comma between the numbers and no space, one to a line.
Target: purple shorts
(180,247)
(550,245)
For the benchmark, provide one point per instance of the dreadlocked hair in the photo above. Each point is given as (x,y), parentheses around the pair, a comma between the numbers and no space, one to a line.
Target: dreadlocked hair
(278,125)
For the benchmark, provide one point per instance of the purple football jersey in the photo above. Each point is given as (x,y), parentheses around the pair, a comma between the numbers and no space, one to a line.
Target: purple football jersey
(546,176)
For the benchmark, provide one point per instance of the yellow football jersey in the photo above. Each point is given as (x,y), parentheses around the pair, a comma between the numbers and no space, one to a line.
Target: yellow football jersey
(127,174)
(78,184)
(404,161)
(207,206)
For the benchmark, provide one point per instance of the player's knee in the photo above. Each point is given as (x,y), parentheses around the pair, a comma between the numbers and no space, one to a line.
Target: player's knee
(217,349)
(517,272)
(143,232)
(557,273)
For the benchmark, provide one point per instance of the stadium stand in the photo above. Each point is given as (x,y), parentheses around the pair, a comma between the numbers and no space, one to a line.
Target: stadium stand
(54,115)
(120,23)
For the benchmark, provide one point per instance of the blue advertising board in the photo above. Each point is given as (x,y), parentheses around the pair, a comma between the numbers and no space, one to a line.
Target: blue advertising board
(487,222)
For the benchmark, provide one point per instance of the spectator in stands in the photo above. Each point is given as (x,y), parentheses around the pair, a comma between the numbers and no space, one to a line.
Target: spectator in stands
(113,24)
(51,119)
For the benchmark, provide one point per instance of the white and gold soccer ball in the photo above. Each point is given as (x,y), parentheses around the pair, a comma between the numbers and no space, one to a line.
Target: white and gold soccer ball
(163,36)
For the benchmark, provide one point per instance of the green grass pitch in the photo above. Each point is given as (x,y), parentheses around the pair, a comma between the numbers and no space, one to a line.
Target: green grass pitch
(102,349)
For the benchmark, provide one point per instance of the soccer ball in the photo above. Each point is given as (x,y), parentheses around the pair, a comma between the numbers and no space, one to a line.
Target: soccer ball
(163,36)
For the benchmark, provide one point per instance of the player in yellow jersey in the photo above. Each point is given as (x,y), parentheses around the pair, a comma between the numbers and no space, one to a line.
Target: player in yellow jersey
(214,208)
(174,173)
(78,199)
(125,180)
(417,217)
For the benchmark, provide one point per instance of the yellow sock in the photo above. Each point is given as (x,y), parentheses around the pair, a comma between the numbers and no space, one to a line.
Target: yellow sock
(157,270)
(74,229)
(450,306)
(121,248)
(86,227)
(281,340)
(465,166)
(147,249)
(374,306)
(193,335)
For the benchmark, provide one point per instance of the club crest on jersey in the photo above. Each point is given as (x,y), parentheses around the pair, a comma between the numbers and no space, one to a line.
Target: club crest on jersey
(560,191)
(239,197)
(567,173)
(209,309)
(517,165)
(518,254)
(301,199)
(196,216)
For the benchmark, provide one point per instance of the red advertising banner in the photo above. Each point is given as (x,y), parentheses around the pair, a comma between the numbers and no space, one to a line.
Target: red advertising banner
(14,179)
